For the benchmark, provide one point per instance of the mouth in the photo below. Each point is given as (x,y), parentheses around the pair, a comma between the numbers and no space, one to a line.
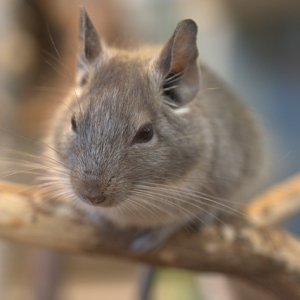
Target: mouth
(97,201)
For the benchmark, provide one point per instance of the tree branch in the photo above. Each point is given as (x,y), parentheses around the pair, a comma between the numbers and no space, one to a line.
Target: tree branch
(261,254)
(276,204)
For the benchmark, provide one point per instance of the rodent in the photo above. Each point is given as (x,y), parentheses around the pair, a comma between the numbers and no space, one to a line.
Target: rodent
(147,137)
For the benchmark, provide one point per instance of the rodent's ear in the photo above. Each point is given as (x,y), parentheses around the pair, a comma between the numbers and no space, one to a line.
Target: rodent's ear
(178,63)
(90,47)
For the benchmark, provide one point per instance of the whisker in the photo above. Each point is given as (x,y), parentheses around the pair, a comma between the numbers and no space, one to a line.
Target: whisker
(44,88)
(172,204)
(169,79)
(36,155)
(192,191)
(215,204)
(149,204)
(171,88)
(18,172)
(63,64)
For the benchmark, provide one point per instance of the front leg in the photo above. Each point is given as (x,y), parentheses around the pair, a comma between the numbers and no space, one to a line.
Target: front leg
(150,239)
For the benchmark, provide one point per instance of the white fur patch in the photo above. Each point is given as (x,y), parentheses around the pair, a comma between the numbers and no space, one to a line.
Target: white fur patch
(78,91)
(182,110)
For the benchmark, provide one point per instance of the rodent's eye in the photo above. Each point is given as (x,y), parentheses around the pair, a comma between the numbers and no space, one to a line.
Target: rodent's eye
(83,81)
(144,134)
(74,124)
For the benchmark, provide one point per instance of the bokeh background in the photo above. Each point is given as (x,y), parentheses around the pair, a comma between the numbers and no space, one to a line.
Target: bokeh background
(254,45)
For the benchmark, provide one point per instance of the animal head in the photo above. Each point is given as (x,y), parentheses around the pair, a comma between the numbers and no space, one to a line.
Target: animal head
(125,120)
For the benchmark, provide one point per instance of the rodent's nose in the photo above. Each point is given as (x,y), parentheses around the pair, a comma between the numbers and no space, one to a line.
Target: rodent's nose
(95,200)
(91,188)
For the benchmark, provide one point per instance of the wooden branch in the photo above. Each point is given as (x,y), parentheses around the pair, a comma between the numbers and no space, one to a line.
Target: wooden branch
(261,254)
(277,203)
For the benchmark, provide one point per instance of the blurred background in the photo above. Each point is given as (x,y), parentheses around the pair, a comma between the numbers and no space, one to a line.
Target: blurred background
(254,45)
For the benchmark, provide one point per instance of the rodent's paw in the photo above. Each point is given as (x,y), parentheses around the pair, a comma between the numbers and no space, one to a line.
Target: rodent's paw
(151,239)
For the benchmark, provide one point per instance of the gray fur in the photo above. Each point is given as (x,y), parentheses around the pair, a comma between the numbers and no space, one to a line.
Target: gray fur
(207,142)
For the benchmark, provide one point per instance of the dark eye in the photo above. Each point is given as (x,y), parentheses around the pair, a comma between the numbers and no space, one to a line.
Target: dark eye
(74,125)
(144,134)
(83,80)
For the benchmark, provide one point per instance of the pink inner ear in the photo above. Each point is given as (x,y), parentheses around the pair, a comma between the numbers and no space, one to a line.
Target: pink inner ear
(179,56)
(181,49)
(179,61)
(184,49)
